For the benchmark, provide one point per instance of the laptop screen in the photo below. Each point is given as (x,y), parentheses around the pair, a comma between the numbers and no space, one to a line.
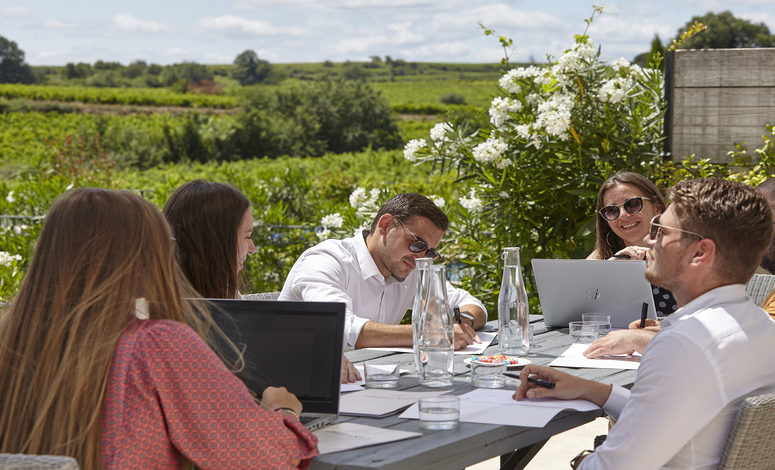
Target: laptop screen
(296,345)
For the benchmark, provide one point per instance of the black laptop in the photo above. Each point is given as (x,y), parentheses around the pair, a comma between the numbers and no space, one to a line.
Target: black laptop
(296,345)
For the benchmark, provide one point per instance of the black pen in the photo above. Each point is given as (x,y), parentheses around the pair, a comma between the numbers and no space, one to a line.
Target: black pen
(539,382)
(643,312)
(622,256)
(457,315)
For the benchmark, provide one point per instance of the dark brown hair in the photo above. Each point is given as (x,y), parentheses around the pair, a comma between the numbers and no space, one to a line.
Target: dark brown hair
(205,217)
(735,216)
(98,251)
(404,206)
(607,242)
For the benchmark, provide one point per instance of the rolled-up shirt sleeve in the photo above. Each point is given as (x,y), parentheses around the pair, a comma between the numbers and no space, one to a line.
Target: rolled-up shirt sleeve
(458,297)
(319,277)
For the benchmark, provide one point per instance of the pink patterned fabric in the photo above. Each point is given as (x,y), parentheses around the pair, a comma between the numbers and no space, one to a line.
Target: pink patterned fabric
(169,396)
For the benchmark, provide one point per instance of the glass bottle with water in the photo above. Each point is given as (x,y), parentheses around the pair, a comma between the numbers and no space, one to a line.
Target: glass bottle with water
(435,339)
(513,308)
(423,270)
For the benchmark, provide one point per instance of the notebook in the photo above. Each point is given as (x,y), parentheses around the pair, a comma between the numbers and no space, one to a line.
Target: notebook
(569,287)
(296,345)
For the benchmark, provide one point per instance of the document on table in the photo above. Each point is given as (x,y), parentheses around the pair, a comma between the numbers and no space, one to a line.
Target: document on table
(574,357)
(489,406)
(345,436)
(376,403)
(474,348)
(359,385)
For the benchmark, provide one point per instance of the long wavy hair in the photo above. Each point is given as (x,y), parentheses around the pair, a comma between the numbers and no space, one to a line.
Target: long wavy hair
(98,251)
(205,218)
(608,242)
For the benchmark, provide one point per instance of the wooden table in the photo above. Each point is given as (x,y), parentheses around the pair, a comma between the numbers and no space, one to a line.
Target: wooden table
(469,443)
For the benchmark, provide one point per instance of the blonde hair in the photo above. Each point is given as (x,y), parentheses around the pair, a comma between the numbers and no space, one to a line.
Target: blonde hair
(99,250)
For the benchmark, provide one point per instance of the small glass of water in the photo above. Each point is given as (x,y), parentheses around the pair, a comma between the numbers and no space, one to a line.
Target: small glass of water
(583,332)
(441,412)
(381,375)
(603,321)
(488,374)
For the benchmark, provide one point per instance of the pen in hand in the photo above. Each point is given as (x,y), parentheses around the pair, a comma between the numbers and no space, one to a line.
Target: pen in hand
(622,256)
(643,312)
(458,318)
(539,382)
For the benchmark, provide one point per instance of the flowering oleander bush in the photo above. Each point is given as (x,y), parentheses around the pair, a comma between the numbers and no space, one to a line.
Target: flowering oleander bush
(556,132)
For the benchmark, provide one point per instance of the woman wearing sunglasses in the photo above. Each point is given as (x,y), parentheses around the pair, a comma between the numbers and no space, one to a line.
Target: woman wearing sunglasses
(626,203)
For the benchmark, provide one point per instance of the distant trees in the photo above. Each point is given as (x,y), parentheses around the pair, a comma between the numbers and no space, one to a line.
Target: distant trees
(726,31)
(249,69)
(13,69)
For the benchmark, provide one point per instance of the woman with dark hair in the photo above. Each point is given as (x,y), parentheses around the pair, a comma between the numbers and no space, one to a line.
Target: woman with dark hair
(213,224)
(102,359)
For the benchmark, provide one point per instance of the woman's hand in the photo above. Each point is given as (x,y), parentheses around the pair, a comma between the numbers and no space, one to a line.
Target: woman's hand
(278,397)
(631,252)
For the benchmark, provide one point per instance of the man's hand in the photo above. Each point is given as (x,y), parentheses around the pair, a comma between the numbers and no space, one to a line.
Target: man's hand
(566,386)
(650,324)
(620,342)
(349,372)
(465,335)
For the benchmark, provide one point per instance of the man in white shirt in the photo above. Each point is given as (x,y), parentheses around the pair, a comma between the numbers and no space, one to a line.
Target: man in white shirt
(373,274)
(710,354)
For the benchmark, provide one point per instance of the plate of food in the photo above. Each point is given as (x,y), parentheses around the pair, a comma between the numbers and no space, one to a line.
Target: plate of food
(511,361)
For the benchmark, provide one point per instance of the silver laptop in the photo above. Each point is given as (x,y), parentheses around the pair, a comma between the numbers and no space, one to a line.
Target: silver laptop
(296,345)
(569,287)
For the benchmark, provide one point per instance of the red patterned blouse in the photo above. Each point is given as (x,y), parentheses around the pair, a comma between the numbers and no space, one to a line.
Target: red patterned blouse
(170,396)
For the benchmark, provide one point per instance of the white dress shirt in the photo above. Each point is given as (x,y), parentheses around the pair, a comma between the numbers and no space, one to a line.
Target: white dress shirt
(344,271)
(710,355)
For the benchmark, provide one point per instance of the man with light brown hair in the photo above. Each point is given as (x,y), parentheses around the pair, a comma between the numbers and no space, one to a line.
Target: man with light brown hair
(711,354)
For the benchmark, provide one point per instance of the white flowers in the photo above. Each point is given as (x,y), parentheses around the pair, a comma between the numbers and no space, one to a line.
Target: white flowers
(412,147)
(438,133)
(6,259)
(500,109)
(554,115)
(10,197)
(509,81)
(491,151)
(334,220)
(471,203)
(438,200)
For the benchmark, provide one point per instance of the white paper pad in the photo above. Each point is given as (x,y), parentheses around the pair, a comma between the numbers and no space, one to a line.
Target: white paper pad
(377,403)
(345,436)
(474,348)
(488,406)
(574,357)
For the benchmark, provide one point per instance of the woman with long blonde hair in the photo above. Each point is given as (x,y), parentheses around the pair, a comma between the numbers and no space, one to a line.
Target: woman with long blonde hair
(103,360)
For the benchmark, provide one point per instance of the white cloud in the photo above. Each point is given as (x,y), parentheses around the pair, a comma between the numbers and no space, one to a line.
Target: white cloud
(212,58)
(16,10)
(231,24)
(176,52)
(384,4)
(54,24)
(130,23)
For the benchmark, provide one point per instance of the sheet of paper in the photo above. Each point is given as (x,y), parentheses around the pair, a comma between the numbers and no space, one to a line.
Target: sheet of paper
(474,348)
(379,402)
(497,407)
(345,436)
(574,357)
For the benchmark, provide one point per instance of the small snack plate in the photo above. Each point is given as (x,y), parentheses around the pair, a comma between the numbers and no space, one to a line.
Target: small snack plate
(512,361)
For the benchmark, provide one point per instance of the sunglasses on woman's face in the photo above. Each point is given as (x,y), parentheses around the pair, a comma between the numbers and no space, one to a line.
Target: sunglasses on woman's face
(419,245)
(656,227)
(632,205)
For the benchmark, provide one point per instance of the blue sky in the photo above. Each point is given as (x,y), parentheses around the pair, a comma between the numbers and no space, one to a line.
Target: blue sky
(54,32)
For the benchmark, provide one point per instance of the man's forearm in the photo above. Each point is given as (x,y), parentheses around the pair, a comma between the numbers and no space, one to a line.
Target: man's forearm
(376,335)
(477,314)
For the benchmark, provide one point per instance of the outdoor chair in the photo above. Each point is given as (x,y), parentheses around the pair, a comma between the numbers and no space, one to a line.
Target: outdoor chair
(265,296)
(37,462)
(750,445)
(759,286)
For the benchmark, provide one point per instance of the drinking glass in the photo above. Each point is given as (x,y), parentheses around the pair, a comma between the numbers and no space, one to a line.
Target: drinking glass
(440,412)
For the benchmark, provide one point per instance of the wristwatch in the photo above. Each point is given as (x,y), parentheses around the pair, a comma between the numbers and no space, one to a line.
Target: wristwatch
(468,316)
(288,412)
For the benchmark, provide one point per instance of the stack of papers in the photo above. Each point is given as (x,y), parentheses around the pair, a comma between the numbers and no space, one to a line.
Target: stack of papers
(488,406)
(345,436)
(474,348)
(377,403)
(574,357)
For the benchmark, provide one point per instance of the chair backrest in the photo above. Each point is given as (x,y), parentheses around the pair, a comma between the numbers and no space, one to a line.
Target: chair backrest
(759,286)
(265,296)
(35,462)
(750,445)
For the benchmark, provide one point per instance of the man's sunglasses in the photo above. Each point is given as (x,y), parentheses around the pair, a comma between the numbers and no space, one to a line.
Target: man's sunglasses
(656,227)
(419,245)
(632,205)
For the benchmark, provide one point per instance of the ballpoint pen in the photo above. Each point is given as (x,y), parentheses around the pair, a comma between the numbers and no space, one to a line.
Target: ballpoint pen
(643,312)
(539,382)
(458,319)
